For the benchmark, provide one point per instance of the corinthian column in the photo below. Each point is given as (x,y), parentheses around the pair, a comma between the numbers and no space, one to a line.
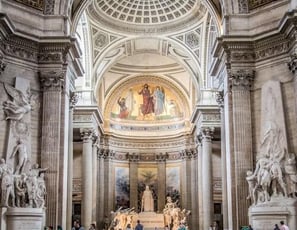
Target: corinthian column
(161,164)
(86,135)
(133,158)
(207,134)
(73,101)
(200,192)
(220,101)
(94,177)
(240,82)
(52,84)
(100,208)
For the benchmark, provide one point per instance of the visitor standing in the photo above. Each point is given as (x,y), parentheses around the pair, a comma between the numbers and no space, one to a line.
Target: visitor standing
(139,226)
(283,226)
(276,227)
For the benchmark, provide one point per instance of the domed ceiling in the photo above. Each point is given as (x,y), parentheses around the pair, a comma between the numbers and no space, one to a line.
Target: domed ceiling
(146,16)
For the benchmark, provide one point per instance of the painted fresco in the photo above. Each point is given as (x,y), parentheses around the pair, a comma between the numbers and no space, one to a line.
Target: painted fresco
(147,102)
(147,176)
(173,183)
(122,187)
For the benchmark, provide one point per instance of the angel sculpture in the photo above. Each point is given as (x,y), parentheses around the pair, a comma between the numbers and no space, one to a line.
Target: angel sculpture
(20,105)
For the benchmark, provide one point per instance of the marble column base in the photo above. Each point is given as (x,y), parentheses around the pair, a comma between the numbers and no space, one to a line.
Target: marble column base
(24,218)
(265,215)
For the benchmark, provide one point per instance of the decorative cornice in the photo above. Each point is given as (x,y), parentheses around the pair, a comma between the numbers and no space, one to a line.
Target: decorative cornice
(241,79)
(253,4)
(161,157)
(36,4)
(52,80)
(53,52)
(293,64)
(133,157)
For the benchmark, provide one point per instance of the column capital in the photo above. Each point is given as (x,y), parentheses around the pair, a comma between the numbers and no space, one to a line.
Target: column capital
(220,99)
(292,64)
(241,79)
(161,157)
(133,157)
(207,133)
(199,139)
(73,100)
(86,134)
(52,80)
(2,64)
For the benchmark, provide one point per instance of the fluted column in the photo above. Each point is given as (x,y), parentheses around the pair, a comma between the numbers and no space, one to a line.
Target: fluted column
(133,158)
(240,81)
(161,164)
(200,192)
(52,84)
(94,177)
(100,207)
(73,101)
(87,178)
(194,197)
(293,68)
(220,101)
(207,189)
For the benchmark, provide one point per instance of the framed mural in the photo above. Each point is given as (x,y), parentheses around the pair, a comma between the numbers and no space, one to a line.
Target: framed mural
(147,101)
(173,183)
(147,177)
(122,187)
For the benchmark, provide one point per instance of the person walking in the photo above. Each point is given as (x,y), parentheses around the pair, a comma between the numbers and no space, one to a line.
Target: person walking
(139,226)
(283,226)
(276,227)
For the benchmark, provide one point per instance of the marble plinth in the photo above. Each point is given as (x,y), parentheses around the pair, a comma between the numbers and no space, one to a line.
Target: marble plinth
(264,216)
(24,218)
(151,220)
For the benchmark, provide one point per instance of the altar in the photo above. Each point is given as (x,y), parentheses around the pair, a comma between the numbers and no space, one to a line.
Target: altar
(151,220)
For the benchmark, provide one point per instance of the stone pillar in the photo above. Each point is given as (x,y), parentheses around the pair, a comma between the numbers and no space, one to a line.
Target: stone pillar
(94,177)
(100,207)
(161,164)
(52,84)
(207,189)
(133,158)
(73,101)
(240,81)
(194,197)
(293,68)
(183,180)
(220,100)
(87,178)
(200,192)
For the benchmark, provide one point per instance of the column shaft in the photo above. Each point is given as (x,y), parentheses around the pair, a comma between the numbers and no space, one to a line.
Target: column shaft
(100,207)
(207,189)
(133,181)
(94,179)
(161,185)
(87,178)
(200,192)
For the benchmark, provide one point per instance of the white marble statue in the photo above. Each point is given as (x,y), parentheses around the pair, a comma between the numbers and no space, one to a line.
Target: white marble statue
(147,201)
(21,150)
(19,105)
(7,189)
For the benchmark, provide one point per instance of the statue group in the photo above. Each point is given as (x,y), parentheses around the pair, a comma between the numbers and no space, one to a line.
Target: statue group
(173,215)
(22,190)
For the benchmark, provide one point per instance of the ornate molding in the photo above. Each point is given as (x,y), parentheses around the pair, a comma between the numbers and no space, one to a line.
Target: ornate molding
(243,6)
(49,7)
(53,52)
(241,79)
(293,64)
(253,4)
(73,100)
(161,157)
(52,80)
(133,157)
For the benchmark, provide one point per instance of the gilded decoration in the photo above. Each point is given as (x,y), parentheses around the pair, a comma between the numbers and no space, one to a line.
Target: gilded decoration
(37,4)
(147,100)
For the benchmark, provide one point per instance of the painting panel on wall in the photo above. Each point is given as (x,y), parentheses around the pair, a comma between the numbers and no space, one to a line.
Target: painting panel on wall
(147,176)
(147,102)
(173,183)
(122,187)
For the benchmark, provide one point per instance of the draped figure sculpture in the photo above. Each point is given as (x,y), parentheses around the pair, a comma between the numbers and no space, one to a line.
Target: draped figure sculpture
(147,201)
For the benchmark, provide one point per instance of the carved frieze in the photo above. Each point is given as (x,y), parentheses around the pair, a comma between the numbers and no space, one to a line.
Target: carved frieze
(36,4)
(271,50)
(161,157)
(53,52)
(241,79)
(134,157)
(2,64)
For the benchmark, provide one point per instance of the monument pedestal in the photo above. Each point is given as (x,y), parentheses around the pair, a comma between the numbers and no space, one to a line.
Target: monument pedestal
(264,216)
(24,218)
(151,220)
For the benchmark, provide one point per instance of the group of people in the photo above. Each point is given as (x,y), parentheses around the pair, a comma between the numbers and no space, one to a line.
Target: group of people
(282,226)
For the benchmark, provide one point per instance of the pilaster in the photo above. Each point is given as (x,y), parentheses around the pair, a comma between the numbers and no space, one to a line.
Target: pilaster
(240,83)
(161,165)
(133,166)
(200,191)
